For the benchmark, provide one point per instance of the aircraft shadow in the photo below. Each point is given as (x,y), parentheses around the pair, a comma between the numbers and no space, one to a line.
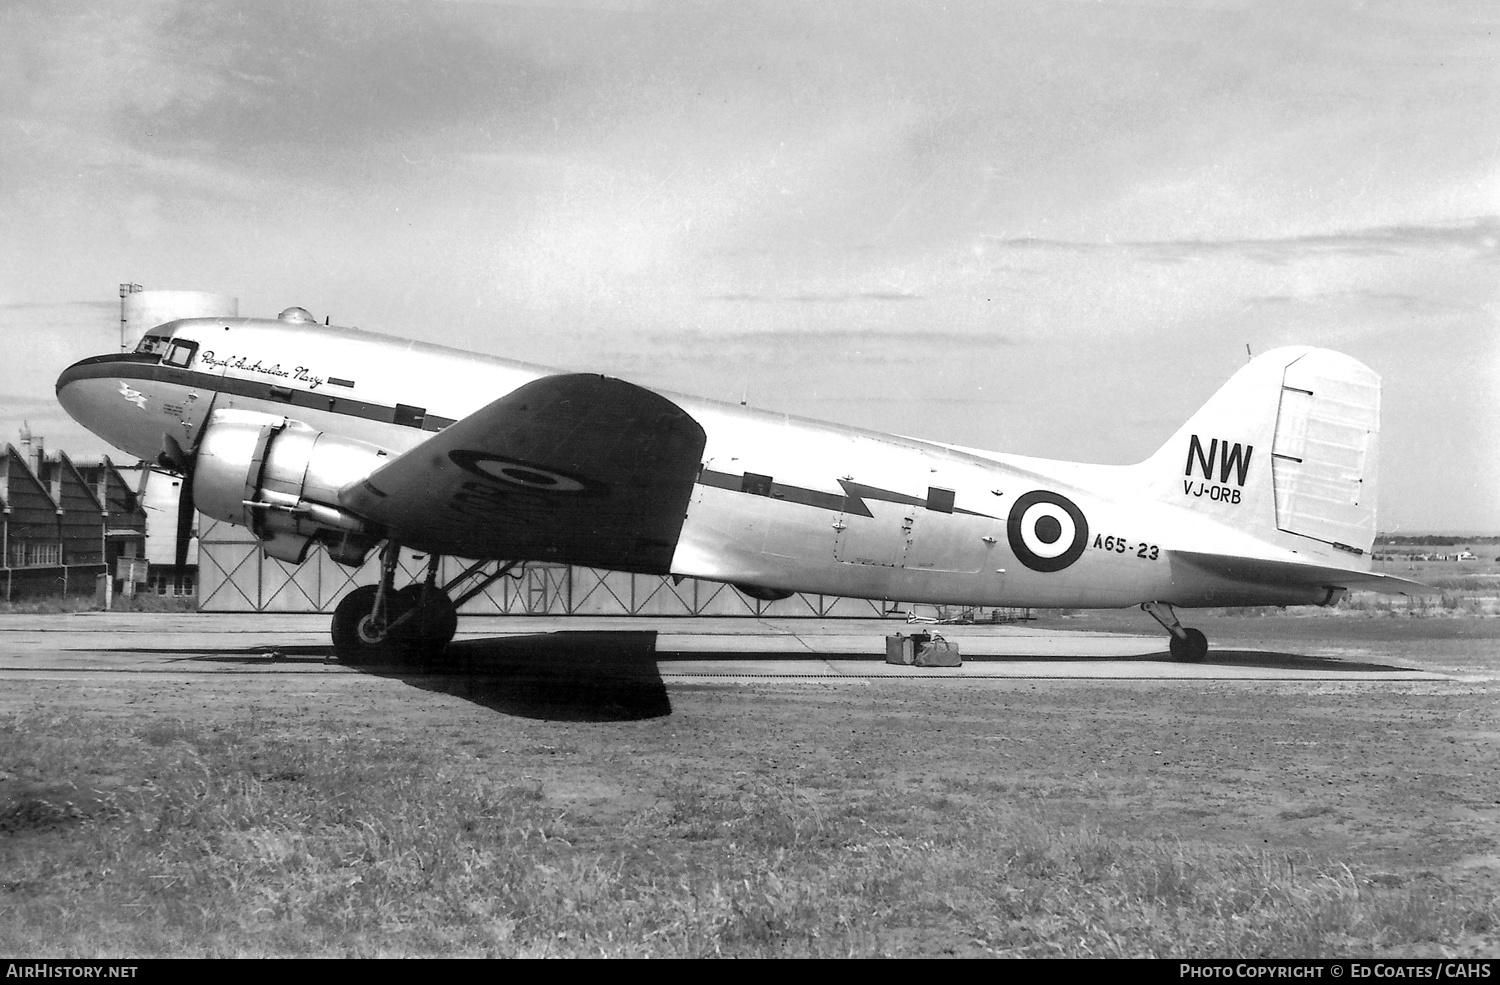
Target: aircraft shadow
(1275,660)
(1258,659)
(307,653)
(565,676)
(585,675)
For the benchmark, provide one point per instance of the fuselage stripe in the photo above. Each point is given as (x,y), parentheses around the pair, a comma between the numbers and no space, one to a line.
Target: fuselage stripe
(852,502)
(116,367)
(130,366)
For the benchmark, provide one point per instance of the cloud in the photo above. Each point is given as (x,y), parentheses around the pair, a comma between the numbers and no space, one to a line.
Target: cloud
(50,305)
(1119,193)
(37,323)
(17,401)
(205,91)
(920,400)
(1405,303)
(813,298)
(823,336)
(1480,237)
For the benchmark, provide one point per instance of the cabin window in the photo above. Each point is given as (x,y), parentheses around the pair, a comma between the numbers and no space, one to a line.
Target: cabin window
(410,417)
(756,484)
(939,500)
(281,393)
(181,353)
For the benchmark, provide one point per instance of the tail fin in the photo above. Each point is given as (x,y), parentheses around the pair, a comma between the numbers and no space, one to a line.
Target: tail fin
(1285,451)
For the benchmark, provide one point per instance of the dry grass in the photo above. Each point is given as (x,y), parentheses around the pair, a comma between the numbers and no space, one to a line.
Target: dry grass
(234,839)
(58,604)
(49,604)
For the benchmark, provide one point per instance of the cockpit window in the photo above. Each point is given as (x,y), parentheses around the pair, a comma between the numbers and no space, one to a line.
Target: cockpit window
(154,344)
(181,353)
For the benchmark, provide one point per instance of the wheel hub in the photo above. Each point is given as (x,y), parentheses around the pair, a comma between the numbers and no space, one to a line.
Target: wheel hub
(368,632)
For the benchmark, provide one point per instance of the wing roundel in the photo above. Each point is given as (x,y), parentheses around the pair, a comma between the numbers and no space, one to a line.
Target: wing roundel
(578,468)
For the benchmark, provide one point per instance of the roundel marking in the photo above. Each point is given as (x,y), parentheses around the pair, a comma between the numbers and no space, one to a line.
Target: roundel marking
(524,475)
(1047,531)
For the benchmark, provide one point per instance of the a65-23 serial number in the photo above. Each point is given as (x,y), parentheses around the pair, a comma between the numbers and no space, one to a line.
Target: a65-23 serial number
(1120,545)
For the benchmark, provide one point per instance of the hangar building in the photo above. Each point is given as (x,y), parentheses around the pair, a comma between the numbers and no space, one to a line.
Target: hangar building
(62,525)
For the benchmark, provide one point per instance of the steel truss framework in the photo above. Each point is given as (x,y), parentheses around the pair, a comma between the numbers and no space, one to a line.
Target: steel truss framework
(235,577)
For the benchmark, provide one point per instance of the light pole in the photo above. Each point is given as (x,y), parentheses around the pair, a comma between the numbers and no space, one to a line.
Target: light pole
(125,290)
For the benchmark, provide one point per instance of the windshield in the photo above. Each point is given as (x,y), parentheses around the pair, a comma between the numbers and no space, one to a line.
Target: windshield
(154,344)
(181,353)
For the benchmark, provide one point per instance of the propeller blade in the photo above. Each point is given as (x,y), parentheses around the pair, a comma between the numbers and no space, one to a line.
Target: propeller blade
(172,457)
(184,526)
(184,461)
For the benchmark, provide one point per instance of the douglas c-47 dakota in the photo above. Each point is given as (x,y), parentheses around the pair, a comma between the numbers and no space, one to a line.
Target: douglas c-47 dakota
(311,434)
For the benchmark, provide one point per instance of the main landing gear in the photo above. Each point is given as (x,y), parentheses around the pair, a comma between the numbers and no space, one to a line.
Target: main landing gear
(1188,646)
(381,624)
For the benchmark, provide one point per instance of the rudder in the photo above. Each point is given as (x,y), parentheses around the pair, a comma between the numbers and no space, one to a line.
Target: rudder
(1285,451)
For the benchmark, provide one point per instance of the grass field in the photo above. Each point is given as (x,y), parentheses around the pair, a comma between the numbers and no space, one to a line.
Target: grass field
(583,813)
(236,840)
(369,814)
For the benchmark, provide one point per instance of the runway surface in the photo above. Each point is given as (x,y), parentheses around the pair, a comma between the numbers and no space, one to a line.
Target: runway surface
(682,650)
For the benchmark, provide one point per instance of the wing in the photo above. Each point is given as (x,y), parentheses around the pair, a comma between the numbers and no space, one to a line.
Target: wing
(578,468)
(1267,570)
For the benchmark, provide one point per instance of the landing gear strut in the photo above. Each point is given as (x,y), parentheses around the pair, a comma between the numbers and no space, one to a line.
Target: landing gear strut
(378,624)
(1188,646)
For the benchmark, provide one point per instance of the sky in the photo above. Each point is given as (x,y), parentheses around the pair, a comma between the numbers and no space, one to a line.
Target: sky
(1049,228)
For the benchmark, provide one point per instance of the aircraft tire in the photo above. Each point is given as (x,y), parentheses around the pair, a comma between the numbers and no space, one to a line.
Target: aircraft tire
(1191,649)
(442,621)
(434,624)
(352,644)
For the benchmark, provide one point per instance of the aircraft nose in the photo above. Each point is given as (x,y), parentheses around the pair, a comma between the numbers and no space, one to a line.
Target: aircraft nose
(80,388)
(104,395)
(70,387)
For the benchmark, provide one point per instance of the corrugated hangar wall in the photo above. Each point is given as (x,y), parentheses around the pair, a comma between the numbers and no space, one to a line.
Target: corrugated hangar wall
(233,576)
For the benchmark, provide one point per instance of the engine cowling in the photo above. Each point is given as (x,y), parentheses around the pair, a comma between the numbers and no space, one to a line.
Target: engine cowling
(763,593)
(281,478)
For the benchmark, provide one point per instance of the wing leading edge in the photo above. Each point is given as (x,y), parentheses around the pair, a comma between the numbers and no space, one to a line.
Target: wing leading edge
(577,468)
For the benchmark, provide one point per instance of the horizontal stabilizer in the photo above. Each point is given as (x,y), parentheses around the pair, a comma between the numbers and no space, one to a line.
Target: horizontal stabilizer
(1270,570)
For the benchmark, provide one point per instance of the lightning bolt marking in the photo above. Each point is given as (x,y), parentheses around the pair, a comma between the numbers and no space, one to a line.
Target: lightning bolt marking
(132,395)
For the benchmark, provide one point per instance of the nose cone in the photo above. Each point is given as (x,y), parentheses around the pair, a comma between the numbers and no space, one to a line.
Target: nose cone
(72,392)
(81,390)
(104,395)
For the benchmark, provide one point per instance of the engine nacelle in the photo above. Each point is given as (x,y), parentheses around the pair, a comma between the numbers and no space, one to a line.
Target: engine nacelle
(281,479)
(763,593)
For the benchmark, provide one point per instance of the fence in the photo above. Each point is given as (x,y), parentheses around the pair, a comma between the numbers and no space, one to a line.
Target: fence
(233,576)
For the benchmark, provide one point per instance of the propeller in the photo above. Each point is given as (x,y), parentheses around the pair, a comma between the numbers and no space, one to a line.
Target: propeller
(174,459)
(140,487)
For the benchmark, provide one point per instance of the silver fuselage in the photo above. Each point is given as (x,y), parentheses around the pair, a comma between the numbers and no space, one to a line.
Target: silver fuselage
(846,511)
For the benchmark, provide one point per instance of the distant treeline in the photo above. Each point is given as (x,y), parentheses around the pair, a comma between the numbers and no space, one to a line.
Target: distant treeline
(1431,540)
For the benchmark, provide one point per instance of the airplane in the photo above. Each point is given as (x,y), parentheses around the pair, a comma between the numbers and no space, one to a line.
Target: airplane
(311,434)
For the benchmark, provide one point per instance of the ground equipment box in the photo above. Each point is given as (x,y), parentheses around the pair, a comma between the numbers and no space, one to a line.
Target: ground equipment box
(938,653)
(921,650)
(900,650)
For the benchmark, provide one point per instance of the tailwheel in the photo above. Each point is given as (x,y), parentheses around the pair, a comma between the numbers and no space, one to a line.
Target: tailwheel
(361,635)
(1190,648)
